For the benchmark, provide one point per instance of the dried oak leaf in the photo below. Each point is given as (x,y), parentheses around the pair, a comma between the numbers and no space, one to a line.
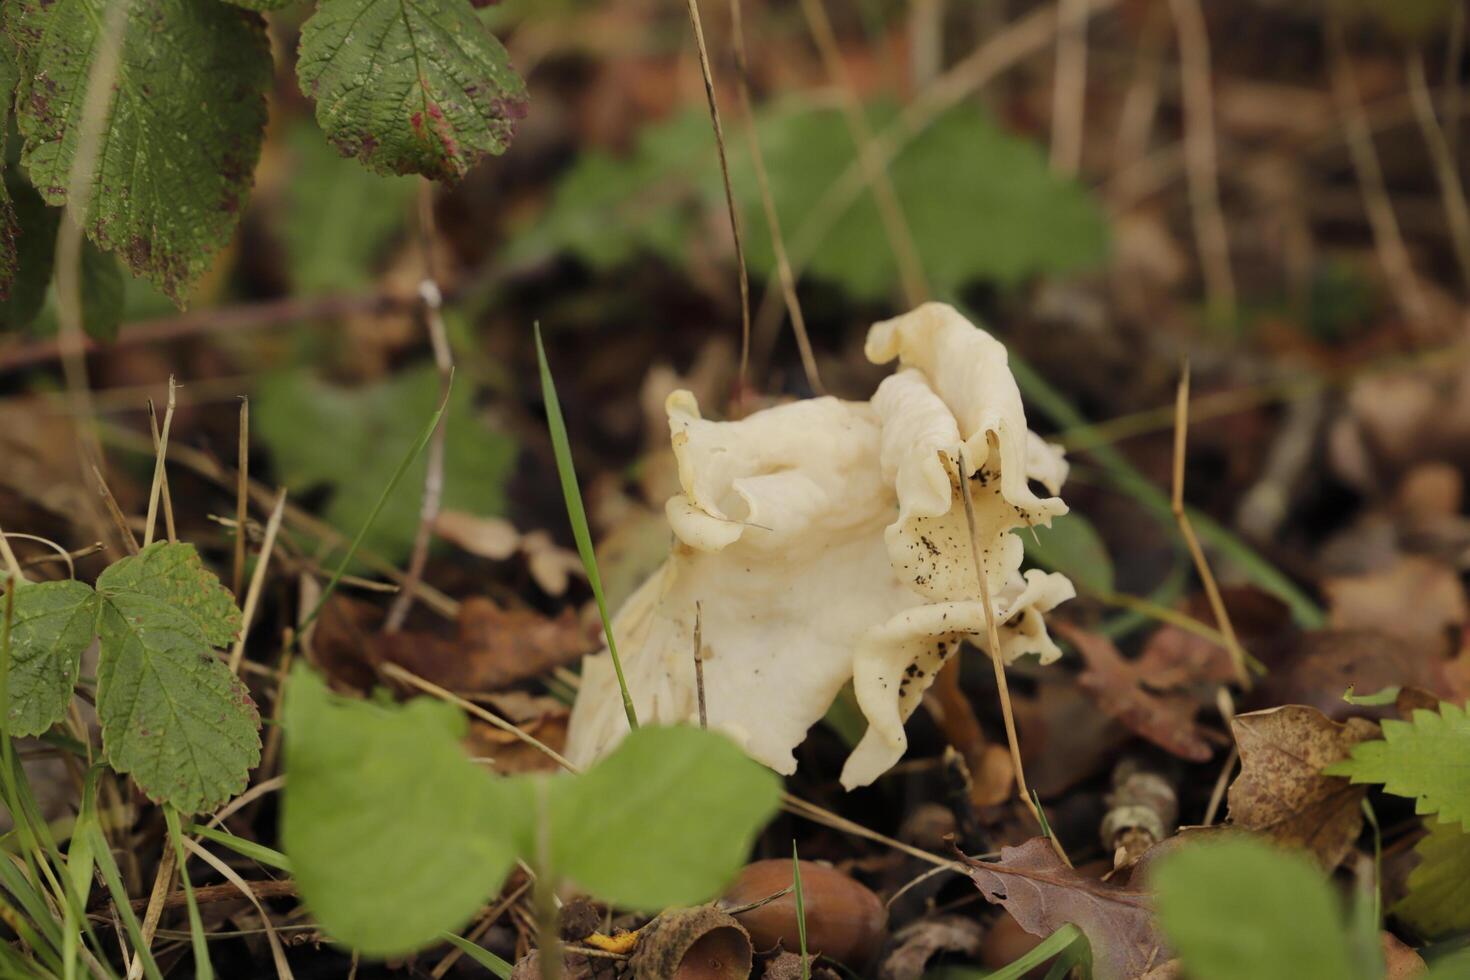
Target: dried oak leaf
(1281,791)
(1116,684)
(495,647)
(1043,894)
(1173,657)
(917,943)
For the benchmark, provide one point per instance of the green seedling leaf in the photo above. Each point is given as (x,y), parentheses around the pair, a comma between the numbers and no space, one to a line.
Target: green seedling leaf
(1073,547)
(1437,903)
(354,441)
(666,819)
(1423,759)
(172,714)
(394,835)
(339,217)
(562,448)
(1009,220)
(180,137)
(1388,695)
(1236,907)
(53,626)
(409,86)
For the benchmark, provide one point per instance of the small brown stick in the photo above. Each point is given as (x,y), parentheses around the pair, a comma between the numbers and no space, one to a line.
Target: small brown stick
(257,580)
(119,520)
(160,470)
(796,806)
(1069,87)
(1457,214)
(211,894)
(431,305)
(1199,150)
(998,661)
(870,157)
(242,492)
(714,117)
(1186,530)
(154,904)
(699,662)
(768,204)
(1393,255)
(245,888)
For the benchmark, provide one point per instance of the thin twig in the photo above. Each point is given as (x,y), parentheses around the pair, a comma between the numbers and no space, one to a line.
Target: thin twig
(768,205)
(160,469)
(1393,255)
(431,304)
(242,492)
(714,117)
(1199,149)
(211,894)
(257,580)
(1221,782)
(1069,87)
(119,519)
(870,158)
(1191,540)
(997,660)
(699,662)
(1457,214)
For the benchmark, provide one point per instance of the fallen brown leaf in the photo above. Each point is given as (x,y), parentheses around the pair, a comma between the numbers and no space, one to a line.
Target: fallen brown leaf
(1043,894)
(1281,792)
(1167,720)
(1173,657)
(1317,667)
(916,943)
(1416,598)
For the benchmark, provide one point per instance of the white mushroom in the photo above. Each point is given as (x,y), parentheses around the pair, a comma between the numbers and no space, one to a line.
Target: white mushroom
(825,541)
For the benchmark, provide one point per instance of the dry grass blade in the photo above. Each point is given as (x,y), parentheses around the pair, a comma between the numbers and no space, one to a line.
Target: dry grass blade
(160,477)
(1442,156)
(7,554)
(1069,88)
(242,494)
(159,450)
(162,885)
(997,660)
(119,519)
(278,953)
(257,580)
(714,118)
(1191,540)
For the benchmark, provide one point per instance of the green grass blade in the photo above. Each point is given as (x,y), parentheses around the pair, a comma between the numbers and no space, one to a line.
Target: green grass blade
(480,955)
(806,966)
(1045,950)
(203,969)
(398,474)
(256,852)
(1053,404)
(121,901)
(561,446)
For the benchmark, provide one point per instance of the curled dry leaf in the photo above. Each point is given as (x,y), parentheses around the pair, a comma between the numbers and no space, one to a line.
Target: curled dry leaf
(918,942)
(826,541)
(1043,894)
(1281,791)
(1117,685)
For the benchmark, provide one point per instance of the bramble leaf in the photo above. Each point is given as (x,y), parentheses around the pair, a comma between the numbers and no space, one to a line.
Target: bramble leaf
(9,229)
(1235,907)
(103,293)
(667,819)
(1423,759)
(172,714)
(409,86)
(53,626)
(1438,899)
(391,782)
(367,430)
(179,140)
(35,247)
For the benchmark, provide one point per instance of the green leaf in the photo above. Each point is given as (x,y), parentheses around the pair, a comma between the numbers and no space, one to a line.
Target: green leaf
(338,216)
(1008,218)
(1438,898)
(480,955)
(174,574)
(9,227)
(172,714)
(35,250)
(262,4)
(1073,547)
(1235,908)
(53,626)
(179,140)
(1423,759)
(103,292)
(1454,966)
(394,835)
(409,86)
(354,440)
(667,819)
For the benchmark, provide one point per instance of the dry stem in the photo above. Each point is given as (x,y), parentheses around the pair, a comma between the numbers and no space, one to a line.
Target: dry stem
(242,493)
(160,474)
(1069,87)
(1457,215)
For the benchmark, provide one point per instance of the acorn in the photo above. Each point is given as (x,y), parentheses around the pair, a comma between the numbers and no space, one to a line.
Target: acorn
(845,920)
